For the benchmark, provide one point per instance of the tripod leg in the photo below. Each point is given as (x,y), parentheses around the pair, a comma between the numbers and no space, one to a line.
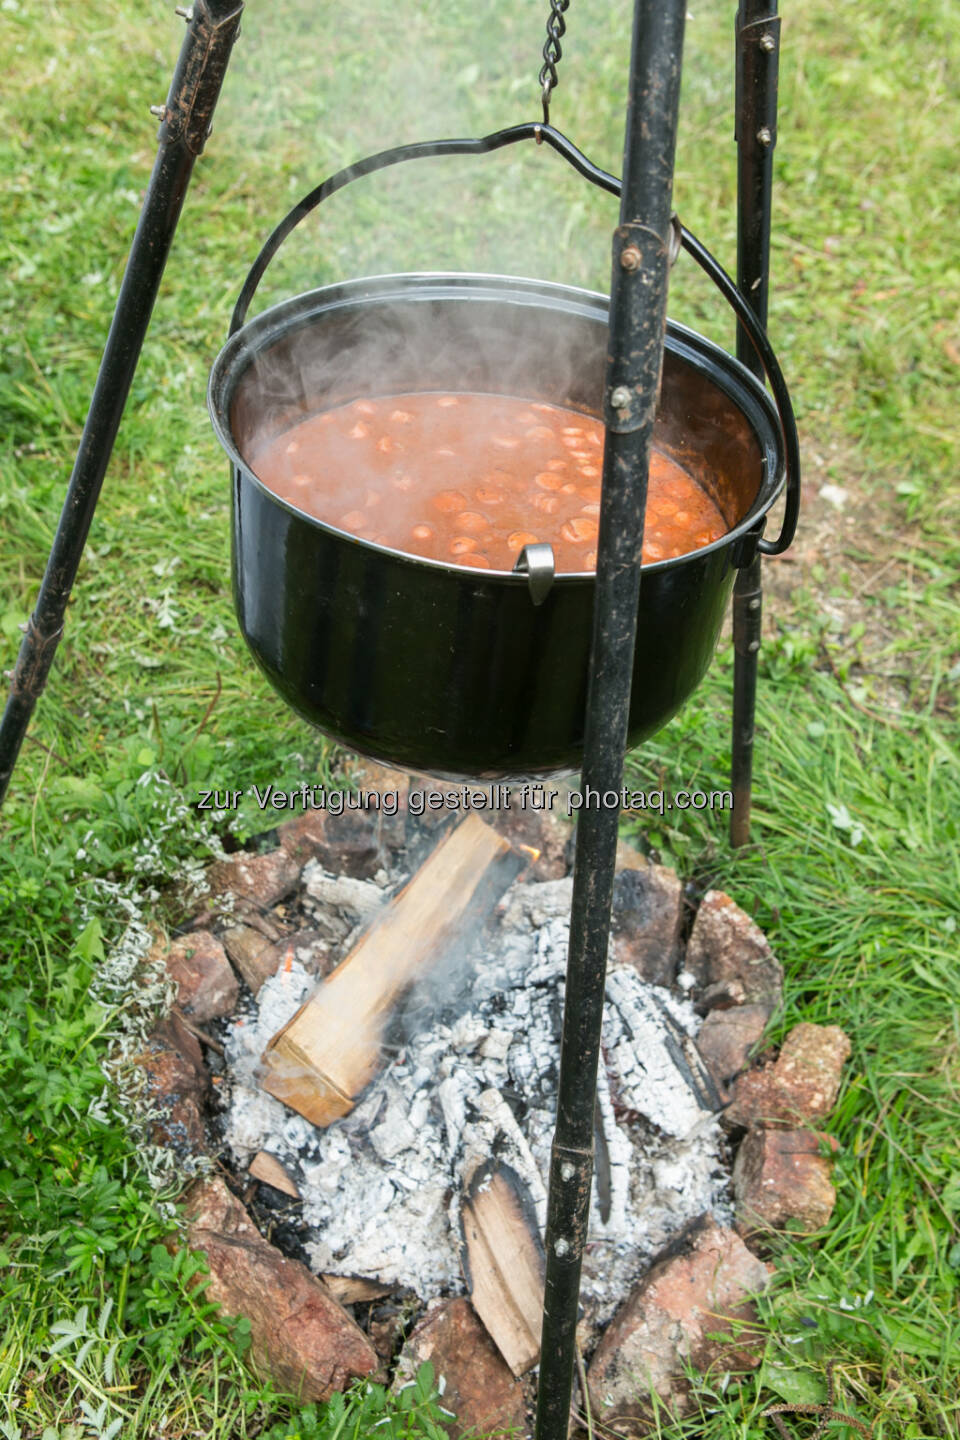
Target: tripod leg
(747,614)
(185,124)
(758,49)
(638,305)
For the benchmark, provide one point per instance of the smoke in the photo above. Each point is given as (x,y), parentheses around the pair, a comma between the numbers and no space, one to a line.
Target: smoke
(302,102)
(388,339)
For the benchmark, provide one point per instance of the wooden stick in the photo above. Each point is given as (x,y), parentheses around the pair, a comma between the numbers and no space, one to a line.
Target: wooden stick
(330,1050)
(356,1289)
(503,1262)
(267,1167)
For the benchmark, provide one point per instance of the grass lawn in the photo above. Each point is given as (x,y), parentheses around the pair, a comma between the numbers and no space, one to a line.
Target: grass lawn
(855,867)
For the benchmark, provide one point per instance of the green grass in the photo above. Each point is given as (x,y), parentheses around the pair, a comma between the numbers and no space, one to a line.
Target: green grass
(854,870)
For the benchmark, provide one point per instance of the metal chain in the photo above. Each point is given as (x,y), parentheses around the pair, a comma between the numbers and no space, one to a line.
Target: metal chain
(552,53)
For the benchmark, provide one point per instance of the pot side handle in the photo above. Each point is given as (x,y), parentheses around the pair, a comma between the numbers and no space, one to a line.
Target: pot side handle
(537,562)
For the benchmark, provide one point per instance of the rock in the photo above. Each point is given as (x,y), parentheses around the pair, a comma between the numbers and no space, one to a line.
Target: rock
(779,1176)
(344,844)
(176,1080)
(260,880)
(253,954)
(647,918)
(725,945)
(689,1297)
(723,995)
(305,836)
(480,1389)
(542,830)
(173,1034)
(725,1040)
(800,1087)
(206,986)
(300,1336)
(629,858)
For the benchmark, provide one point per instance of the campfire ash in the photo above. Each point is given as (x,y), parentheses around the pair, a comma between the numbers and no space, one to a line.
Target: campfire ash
(468,1077)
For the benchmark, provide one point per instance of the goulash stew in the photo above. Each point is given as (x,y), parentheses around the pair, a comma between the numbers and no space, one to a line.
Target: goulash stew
(471,479)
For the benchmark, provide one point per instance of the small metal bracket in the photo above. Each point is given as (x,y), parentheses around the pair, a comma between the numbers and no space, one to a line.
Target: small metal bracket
(747,619)
(196,83)
(537,562)
(757,64)
(641,261)
(744,550)
(571,1177)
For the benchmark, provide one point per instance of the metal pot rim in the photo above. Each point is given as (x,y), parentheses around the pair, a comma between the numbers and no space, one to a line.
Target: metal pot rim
(728,373)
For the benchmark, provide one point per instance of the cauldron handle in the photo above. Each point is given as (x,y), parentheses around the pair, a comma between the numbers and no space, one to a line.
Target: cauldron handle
(781,395)
(546,134)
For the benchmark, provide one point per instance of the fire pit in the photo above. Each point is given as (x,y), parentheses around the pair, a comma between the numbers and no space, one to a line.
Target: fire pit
(435,1170)
(470,1078)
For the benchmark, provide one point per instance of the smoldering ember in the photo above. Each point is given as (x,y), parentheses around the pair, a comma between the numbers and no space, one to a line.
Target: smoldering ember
(388,1068)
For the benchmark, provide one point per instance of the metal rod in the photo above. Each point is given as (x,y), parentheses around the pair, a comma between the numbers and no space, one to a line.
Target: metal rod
(758,52)
(638,306)
(184,126)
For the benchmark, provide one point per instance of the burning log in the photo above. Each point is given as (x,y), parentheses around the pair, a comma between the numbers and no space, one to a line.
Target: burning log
(330,1050)
(503,1262)
(659,1073)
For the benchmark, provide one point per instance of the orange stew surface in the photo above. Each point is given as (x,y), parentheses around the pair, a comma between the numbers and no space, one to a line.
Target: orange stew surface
(472,479)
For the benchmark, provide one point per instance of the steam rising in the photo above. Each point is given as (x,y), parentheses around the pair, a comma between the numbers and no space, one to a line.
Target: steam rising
(392,74)
(399,341)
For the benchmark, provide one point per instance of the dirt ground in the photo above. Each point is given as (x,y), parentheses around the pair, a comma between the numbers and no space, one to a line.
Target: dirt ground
(851,552)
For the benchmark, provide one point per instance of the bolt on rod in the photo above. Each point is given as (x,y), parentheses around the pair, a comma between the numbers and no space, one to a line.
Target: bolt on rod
(757,63)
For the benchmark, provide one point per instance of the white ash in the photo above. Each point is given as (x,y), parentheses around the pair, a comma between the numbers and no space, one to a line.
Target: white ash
(639,1054)
(339,905)
(381,1188)
(253,1114)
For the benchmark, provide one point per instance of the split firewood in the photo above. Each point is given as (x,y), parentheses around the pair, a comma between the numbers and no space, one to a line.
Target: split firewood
(267,1168)
(356,1289)
(324,1057)
(503,1262)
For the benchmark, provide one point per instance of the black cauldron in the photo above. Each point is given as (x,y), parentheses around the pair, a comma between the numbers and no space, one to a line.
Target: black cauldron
(438,667)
